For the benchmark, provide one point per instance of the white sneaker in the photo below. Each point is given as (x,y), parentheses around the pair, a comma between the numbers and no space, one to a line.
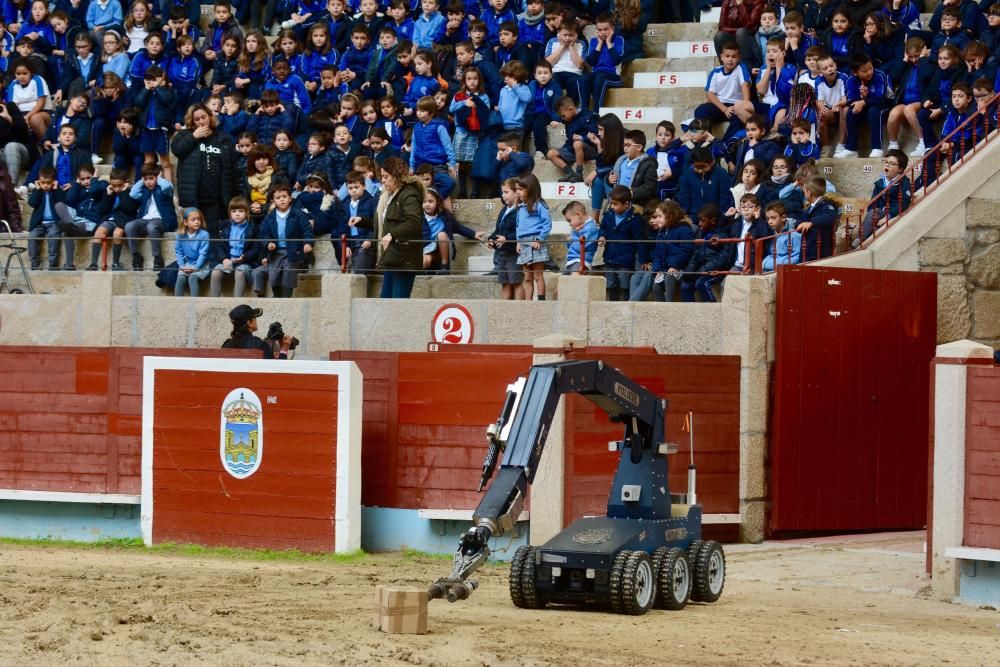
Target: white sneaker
(894,145)
(96,159)
(21,190)
(919,150)
(842,152)
(876,153)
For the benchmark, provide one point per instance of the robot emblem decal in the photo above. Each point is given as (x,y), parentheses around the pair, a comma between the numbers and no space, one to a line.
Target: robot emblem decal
(593,536)
(674,534)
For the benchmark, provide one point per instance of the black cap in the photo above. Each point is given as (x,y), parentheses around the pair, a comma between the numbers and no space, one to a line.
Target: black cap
(244,313)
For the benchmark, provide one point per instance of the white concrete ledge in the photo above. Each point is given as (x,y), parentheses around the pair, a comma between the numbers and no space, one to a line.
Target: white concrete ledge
(68,497)
(457,515)
(720,518)
(973,553)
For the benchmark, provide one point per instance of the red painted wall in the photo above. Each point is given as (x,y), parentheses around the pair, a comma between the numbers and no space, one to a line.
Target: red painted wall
(707,385)
(982,458)
(425,416)
(71,417)
(288,502)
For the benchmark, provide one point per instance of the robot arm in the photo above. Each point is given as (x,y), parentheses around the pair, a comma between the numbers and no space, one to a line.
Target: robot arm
(520,433)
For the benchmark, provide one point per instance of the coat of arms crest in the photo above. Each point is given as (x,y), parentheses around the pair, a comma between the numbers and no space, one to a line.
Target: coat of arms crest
(241,441)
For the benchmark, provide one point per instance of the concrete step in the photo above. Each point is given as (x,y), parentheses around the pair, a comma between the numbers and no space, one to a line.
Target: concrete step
(670,100)
(140,283)
(659,35)
(663,64)
(669,80)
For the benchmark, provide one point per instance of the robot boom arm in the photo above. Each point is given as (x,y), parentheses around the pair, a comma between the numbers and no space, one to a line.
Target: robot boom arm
(520,434)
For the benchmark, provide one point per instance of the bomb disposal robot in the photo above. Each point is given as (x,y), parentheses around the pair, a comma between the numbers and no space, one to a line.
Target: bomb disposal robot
(646,552)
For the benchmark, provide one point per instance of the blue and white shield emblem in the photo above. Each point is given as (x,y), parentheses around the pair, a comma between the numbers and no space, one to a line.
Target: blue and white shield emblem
(241,440)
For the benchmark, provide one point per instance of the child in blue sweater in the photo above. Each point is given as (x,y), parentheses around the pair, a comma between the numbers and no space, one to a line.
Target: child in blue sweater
(582,227)
(512,163)
(534,224)
(514,96)
(502,240)
(704,183)
(431,144)
(191,249)
(621,228)
(540,113)
(423,84)
(605,59)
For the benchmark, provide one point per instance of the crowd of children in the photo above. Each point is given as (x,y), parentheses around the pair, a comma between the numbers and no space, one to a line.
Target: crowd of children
(466,94)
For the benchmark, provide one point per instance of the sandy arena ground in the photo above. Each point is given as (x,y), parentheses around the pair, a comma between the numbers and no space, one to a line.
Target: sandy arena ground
(860,600)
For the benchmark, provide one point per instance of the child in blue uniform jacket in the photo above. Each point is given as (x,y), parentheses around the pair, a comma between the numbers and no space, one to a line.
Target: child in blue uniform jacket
(621,227)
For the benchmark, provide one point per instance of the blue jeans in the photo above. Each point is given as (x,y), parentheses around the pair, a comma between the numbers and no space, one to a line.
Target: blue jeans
(397,284)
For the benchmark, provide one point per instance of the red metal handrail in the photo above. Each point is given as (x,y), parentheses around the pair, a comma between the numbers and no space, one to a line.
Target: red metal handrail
(982,118)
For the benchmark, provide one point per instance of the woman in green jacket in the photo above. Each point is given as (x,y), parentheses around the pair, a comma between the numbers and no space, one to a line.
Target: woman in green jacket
(401,227)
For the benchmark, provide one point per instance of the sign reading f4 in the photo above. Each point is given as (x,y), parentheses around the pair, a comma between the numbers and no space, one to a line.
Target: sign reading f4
(651,115)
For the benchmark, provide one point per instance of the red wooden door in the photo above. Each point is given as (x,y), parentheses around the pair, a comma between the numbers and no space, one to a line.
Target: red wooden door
(709,386)
(850,416)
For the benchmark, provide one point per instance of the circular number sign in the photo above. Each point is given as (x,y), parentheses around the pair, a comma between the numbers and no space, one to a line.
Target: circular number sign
(453,324)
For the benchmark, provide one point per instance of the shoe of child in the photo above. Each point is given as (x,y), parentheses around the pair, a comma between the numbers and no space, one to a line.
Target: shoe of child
(843,152)
(93,267)
(21,190)
(69,267)
(96,159)
(157,263)
(919,150)
(117,266)
(876,153)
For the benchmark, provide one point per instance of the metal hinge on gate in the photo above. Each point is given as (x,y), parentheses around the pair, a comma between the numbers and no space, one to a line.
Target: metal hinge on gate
(834,313)
(833,281)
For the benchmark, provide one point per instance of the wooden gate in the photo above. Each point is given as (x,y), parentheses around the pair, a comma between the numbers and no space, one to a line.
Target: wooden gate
(849,424)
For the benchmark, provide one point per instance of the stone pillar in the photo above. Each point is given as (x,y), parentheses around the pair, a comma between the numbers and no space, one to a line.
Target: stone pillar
(96,295)
(573,305)
(548,490)
(948,503)
(330,329)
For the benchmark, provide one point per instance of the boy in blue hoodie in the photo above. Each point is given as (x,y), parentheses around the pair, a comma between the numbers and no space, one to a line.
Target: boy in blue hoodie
(961,111)
(620,228)
(493,17)
(431,144)
(531,25)
(155,197)
(582,227)
(605,59)
(290,88)
(540,114)
(428,29)
(155,102)
(512,162)
(354,63)
(580,124)
(79,214)
(184,73)
(869,97)
(358,222)
(44,222)
(897,193)
(704,183)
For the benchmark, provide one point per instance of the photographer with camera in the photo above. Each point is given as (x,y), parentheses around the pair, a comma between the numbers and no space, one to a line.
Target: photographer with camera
(277,345)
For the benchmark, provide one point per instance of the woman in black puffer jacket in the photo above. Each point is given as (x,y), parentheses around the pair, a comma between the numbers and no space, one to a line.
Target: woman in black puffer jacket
(206,178)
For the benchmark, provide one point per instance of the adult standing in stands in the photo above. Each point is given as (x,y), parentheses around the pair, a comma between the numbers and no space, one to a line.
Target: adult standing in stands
(206,177)
(739,20)
(401,223)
